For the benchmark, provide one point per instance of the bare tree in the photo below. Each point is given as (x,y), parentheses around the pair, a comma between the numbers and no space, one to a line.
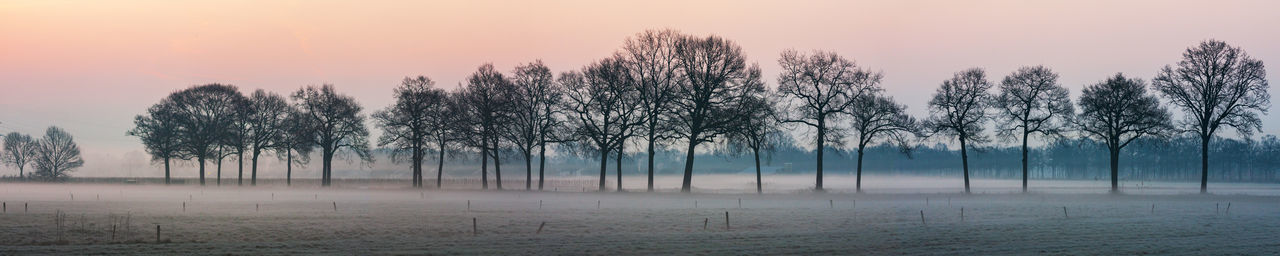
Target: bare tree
(874,116)
(236,140)
(335,125)
(817,89)
(205,114)
(760,132)
(531,114)
(599,102)
(448,126)
(407,124)
(716,78)
(651,58)
(1118,111)
(56,155)
(1031,102)
(959,109)
(19,149)
(488,95)
(295,138)
(266,126)
(1216,85)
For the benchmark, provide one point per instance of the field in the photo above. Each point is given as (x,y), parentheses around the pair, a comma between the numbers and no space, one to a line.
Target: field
(1160,219)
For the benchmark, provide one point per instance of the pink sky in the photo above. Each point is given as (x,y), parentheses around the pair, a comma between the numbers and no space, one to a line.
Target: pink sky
(90,66)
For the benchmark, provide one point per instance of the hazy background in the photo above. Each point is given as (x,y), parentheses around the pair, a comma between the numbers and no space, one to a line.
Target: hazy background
(89,66)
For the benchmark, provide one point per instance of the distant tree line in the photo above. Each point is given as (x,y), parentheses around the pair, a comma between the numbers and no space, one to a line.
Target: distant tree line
(666,91)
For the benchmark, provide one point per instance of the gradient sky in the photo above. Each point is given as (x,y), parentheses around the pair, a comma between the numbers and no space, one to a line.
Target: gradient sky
(90,66)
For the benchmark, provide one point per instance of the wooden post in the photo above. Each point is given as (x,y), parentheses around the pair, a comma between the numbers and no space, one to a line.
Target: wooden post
(4,205)
(695,204)
(832,203)
(468,205)
(184,206)
(544,224)
(1153,208)
(1228,208)
(739,203)
(24,207)
(726,220)
(1064,213)
(273,196)
(335,206)
(113,232)
(922,218)
(597,204)
(73,196)
(257,207)
(474,230)
(539,204)
(705,222)
(157,233)
(961,214)
(1215,208)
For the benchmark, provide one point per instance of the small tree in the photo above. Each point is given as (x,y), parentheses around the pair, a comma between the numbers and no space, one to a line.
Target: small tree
(488,99)
(1118,111)
(19,149)
(1216,85)
(295,138)
(759,132)
(715,79)
(532,115)
(959,110)
(1031,102)
(819,88)
(874,116)
(407,124)
(266,126)
(335,125)
(56,155)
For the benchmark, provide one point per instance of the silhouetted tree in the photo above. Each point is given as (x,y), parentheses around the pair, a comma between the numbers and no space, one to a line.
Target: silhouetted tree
(56,155)
(488,97)
(407,124)
(651,58)
(266,125)
(205,117)
(1032,102)
(236,140)
(600,101)
(959,110)
(817,89)
(531,114)
(19,149)
(1216,85)
(1118,111)
(335,125)
(716,78)
(760,131)
(295,138)
(874,116)
(448,127)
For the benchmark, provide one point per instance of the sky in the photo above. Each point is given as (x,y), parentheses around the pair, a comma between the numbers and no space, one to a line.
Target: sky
(91,66)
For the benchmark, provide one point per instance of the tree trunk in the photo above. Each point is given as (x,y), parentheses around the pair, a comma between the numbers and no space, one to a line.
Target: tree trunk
(1204,164)
(440,167)
(652,137)
(201,160)
(497,167)
(253,173)
(326,178)
(1024,160)
(687,185)
(759,186)
(417,166)
(858,182)
(604,164)
(964,161)
(240,164)
(822,132)
(618,167)
(542,163)
(484,168)
(1115,170)
(288,166)
(218,179)
(166,170)
(528,170)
